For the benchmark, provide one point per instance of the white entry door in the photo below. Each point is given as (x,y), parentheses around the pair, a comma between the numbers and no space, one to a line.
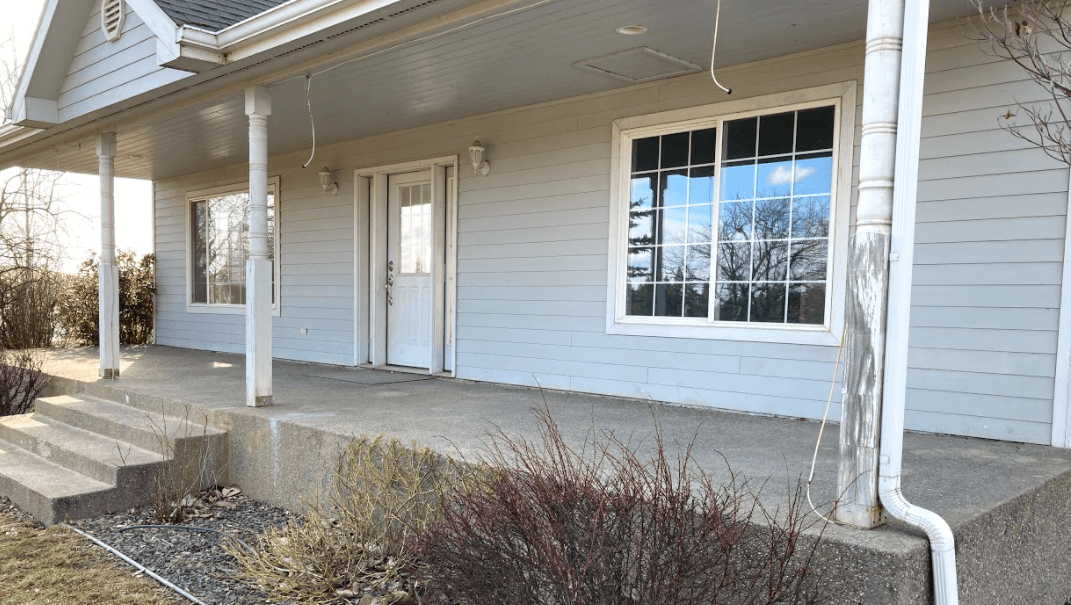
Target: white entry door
(409,258)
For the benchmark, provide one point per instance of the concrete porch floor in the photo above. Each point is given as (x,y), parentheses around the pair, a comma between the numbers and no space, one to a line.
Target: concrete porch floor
(1008,504)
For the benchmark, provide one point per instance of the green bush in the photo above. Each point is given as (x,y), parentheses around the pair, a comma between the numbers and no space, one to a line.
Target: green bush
(79,308)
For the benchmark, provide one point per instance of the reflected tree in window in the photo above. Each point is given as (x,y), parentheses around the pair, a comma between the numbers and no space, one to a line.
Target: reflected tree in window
(220,247)
(765,230)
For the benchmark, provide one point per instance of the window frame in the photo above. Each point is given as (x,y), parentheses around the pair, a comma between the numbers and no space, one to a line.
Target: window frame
(274,186)
(843,97)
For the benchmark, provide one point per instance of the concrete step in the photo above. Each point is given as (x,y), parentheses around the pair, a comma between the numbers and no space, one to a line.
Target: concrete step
(101,458)
(78,456)
(50,492)
(129,426)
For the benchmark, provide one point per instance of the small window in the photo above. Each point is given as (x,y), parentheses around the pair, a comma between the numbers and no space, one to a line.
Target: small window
(112,18)
(219,246)
(729,219)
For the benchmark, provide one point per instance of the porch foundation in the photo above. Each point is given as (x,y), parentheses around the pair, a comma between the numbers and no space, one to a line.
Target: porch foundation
(1007,502)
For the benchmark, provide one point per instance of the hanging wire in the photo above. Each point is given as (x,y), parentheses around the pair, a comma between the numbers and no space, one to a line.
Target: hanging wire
(825,417)
(714,49)
(312,122)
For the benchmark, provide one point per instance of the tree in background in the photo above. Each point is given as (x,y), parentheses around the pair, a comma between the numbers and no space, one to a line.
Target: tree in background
(79,306)
(31,236)
(1036,36)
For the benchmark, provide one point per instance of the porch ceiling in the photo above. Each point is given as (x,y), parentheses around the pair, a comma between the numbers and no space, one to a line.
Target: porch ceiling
(525,58)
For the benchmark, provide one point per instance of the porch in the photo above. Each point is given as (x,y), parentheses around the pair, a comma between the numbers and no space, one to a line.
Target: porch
(1008,504)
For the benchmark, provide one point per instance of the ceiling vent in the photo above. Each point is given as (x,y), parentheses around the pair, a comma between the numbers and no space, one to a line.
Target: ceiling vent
(639,65)
(112,17)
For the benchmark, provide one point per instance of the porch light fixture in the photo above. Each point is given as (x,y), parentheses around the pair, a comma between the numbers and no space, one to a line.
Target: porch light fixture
(327,181)
(631,30)
(479,165)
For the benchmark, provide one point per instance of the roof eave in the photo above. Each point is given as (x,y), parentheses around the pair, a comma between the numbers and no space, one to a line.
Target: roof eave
(199,50)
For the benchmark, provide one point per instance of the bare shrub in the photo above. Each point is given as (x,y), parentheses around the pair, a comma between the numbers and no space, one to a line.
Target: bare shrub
(21,380)
(28,300)
(1036,36)
(383,495)
(607,525)
(188,467)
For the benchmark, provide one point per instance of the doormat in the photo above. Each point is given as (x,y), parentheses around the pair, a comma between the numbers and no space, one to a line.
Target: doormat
(371,377)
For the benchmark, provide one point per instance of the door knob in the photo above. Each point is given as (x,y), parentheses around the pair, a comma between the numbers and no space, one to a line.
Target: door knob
(390,279)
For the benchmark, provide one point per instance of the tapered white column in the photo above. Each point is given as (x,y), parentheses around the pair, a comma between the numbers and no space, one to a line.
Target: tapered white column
(258,284)
(108,271)
(868,271)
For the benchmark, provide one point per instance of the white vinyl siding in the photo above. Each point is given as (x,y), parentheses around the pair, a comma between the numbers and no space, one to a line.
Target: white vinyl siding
(104,72)
(533,255)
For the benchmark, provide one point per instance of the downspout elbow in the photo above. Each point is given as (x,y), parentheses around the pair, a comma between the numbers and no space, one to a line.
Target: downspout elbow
(942,543)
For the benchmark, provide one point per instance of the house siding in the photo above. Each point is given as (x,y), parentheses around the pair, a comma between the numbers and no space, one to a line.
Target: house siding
(315,275)
(104,72)
(533,244)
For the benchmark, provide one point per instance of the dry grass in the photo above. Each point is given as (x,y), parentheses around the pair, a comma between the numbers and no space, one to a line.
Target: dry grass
(357,540)
(57,566)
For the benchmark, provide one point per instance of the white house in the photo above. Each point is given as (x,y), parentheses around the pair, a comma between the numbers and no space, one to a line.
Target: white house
(559,192)
(638,232)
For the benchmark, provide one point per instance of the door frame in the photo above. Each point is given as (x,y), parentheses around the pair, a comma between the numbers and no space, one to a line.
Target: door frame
(369,262)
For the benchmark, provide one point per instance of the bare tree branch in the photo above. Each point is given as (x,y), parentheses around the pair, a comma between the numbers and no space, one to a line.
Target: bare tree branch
(1036,36)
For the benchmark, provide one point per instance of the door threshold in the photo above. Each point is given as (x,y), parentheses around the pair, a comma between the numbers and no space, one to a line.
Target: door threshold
(408,370)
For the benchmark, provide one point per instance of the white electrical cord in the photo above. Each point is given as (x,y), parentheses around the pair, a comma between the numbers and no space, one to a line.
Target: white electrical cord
(714,50)
(141,568)
(312,122)
(821,430)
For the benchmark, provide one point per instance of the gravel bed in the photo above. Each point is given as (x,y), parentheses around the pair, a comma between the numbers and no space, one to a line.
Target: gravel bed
(194,561)
(8,507)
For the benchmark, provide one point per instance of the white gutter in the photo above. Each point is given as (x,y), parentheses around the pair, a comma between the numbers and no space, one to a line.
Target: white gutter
(11,134)
(286,22)
(909,127)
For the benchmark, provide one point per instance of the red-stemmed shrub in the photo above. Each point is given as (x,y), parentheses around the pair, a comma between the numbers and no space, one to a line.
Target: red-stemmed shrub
(607,524)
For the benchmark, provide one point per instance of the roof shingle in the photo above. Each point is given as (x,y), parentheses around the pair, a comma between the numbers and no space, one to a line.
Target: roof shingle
(214,15)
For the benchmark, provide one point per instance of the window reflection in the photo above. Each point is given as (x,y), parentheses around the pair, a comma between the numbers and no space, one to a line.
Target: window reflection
(780,227)
(746,239)
(220,247)
(671,224)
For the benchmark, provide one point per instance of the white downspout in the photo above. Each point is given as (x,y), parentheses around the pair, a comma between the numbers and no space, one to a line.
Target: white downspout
(912,76)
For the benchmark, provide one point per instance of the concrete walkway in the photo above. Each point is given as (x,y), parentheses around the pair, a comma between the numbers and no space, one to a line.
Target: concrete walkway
(1008,504)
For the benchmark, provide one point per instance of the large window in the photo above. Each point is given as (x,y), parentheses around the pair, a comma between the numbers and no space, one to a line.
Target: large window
(219,246)
(730,220)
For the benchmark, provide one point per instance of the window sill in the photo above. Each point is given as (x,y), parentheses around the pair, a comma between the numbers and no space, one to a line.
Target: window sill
(778,334)
(223,309)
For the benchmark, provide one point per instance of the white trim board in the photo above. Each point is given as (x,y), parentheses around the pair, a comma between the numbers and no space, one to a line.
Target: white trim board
(1061,400)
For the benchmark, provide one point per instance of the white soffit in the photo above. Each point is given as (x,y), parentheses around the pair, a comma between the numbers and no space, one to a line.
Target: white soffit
(639,65)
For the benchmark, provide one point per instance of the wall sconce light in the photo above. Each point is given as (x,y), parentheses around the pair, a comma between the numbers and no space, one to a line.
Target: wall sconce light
(479,165)
(327,181)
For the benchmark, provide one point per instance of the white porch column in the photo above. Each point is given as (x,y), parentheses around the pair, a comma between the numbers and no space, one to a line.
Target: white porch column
(258,285)
(108,272)
(868,271)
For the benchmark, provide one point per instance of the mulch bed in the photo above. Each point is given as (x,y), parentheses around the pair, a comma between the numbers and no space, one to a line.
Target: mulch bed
(194,561)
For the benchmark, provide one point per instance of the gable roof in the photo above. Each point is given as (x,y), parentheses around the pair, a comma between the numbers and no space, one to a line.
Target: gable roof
(214,15)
